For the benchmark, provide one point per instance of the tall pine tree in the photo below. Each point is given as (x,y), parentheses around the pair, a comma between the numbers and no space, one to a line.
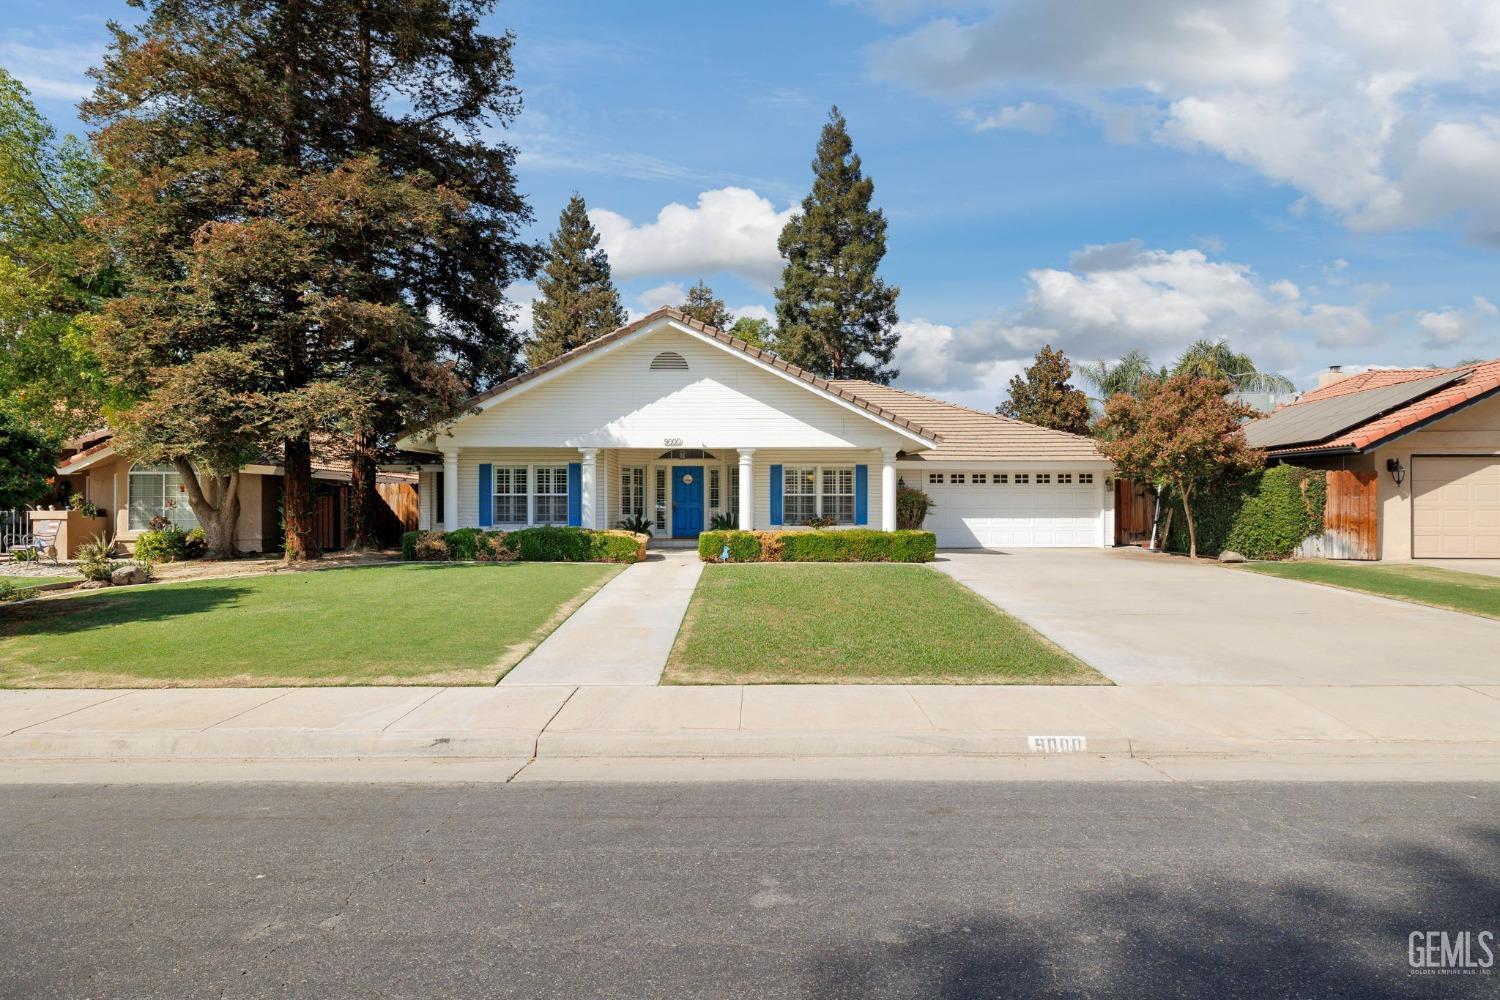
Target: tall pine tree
(1042,395)
(836,317)
(579,300)
(703,307)
(237,129)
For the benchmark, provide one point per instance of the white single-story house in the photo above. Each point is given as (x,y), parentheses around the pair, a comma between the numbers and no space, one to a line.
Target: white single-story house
(676,422)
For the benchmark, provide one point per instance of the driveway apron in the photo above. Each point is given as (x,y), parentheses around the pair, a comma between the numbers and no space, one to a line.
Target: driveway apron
(624,633)
(1146,619)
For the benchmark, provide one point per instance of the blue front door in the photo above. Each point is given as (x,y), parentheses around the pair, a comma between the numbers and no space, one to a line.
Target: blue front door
(687,501)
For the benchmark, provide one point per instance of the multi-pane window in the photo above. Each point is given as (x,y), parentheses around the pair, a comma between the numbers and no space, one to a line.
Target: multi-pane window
(734,491)
(661,498)
(1065,479)
(551,499)
(510,494)
(838,495)
(1086,478)
(157,491)
(1022,478)
(799,490)
(957,479)
(1001,478)
(1043,478)
(980,478)
(633,491)
(934,479)
(714,496)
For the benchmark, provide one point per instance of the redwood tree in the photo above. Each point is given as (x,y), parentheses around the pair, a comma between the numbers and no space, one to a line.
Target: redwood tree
(1182,431)
(306,180)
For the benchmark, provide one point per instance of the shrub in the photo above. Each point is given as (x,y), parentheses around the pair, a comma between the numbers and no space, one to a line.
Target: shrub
(540,544)
(1286,507)
(850,545)
(724,521)
(819,522)
(1264,515)
(195,542)
(162,544)
(13,592)
(85,507)
(636,524)
(95,559)
(25,555)
(912,506)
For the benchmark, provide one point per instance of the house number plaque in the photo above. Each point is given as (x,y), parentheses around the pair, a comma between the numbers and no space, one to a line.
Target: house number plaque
(671,442)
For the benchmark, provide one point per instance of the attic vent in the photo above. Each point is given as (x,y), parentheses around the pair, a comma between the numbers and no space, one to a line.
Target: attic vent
(669,361)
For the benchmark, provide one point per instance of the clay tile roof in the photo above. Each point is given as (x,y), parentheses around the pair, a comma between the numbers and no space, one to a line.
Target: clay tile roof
(967,435)
(668,312)
(1480,380)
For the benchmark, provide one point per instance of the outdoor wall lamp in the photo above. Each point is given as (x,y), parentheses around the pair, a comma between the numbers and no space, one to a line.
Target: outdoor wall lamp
(1396,469)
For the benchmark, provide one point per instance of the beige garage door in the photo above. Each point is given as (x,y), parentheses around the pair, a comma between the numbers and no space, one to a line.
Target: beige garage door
(1455,508)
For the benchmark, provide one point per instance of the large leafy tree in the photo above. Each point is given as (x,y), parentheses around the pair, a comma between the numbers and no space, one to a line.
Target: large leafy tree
(53,272)
(755,331)
(1181,431)
(704,307)
(1216,360)
(306,185)
(27,461)
(835,315)
(1043,395)
(579,300)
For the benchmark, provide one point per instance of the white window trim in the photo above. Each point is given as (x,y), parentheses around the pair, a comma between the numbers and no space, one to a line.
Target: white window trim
(531,493)
(817,493)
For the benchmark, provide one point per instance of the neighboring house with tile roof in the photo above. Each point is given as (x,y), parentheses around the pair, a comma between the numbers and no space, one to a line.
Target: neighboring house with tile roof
(131,494)
(679,424)
(1416,452)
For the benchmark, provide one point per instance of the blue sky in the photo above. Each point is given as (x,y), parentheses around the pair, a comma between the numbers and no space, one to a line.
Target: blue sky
(1312,181)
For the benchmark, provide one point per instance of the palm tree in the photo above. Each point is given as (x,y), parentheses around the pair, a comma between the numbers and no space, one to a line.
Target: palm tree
(1215,359)
(1124,375)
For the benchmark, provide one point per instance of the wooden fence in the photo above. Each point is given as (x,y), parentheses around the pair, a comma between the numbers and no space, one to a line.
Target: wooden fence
(1135,508)
(401,498)
(1351,518)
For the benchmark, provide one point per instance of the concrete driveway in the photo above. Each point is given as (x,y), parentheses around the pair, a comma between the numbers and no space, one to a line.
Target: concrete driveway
(1144,619)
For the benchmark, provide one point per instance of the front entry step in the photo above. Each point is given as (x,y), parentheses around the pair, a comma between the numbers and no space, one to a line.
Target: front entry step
(672,543)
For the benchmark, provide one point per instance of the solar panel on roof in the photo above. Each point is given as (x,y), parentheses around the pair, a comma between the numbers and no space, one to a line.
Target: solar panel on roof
(1309,423)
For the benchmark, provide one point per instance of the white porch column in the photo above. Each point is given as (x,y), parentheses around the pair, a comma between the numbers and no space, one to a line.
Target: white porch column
(450,489)
(590,487)
(747,489)
(888,489)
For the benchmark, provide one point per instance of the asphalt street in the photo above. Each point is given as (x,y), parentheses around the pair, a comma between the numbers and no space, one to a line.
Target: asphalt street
(829,889)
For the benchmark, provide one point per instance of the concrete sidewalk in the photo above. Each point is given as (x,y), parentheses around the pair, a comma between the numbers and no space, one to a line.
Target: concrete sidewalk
(624,633)
(524,723)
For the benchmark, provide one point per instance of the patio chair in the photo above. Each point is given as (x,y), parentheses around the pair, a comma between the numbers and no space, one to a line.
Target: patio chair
(44,539)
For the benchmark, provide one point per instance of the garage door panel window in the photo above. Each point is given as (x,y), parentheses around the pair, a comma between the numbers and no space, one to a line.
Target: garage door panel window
(1065,479)
(934,479)
(1022,478)
(1043,478)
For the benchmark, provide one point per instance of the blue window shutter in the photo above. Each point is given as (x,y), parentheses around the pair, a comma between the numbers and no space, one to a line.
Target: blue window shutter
(575,494)
(861,494)
(486,496)
(775,494)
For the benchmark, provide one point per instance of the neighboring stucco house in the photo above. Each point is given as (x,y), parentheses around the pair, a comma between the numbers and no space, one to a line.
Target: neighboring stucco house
(675,422)
(130,495)
(1413,456)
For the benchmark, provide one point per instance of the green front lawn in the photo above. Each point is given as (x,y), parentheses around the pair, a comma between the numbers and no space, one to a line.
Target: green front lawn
(794,623)
(1441,588)
(419,623)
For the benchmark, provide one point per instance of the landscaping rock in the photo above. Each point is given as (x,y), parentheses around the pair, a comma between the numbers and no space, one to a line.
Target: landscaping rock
(1230,556)
(92,585)
(126,576)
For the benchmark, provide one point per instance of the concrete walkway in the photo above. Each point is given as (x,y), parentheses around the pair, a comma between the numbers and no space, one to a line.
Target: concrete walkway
(517,724)
(624,633)
(1150,619)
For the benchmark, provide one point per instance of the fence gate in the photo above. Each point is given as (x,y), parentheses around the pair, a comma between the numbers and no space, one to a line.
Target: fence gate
(1135,506)
(1351,516)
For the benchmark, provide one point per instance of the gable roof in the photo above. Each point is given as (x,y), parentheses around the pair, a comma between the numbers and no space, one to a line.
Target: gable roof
(733,343)
(968,435)
(1464,385)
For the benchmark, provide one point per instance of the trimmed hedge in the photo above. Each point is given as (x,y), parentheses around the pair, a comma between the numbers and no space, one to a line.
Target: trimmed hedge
(540,544)
(1264,515)
(852,545)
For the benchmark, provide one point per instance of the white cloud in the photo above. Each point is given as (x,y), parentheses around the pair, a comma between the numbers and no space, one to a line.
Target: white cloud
(522,294)
(730,229)
(1376,110)
(51,72)
(754,312)
(667,294)
(1024,117)
(1453,326)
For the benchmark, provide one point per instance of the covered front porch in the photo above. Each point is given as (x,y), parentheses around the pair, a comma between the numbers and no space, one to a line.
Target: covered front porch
(676,492)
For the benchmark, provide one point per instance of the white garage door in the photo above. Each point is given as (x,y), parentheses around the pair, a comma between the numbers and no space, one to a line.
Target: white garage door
(987,509)
(1455,507)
